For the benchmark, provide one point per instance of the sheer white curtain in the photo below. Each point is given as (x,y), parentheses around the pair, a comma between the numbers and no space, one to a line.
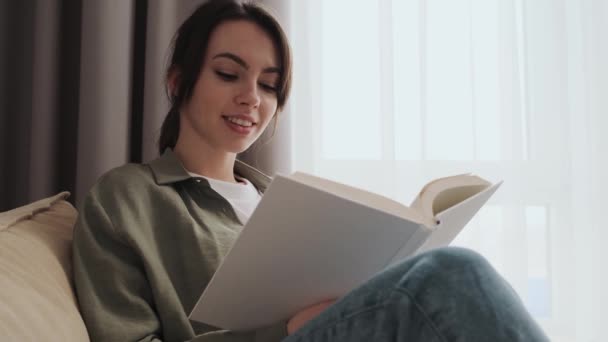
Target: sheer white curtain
(390,94)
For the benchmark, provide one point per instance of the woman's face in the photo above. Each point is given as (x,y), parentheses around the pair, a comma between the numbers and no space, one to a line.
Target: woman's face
(234,98)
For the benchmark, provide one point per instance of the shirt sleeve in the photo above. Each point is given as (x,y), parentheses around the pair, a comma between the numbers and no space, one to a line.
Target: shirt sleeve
(115,298)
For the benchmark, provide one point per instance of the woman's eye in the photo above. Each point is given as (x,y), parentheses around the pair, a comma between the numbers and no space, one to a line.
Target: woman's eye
(226,76)
(268,87)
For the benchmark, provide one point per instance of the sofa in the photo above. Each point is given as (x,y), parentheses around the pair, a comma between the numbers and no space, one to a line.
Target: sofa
(37,299)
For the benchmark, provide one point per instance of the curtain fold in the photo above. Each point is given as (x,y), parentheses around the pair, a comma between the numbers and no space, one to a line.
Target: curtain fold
(105,89)
(40,41)
(16,79)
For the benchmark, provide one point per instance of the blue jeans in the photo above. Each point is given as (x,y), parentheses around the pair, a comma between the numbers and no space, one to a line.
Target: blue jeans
(449,294)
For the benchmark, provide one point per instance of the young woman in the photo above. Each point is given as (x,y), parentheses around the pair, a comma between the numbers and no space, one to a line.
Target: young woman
(149,237)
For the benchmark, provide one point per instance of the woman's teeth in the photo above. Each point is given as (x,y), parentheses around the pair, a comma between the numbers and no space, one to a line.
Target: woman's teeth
(240,122)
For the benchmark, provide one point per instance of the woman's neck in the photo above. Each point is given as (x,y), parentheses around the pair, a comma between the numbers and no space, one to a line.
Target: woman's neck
(205,161)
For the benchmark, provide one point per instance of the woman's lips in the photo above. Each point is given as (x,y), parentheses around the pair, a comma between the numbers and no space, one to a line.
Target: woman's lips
(242,130)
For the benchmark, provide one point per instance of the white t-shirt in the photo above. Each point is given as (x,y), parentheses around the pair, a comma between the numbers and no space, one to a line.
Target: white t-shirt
(243,196)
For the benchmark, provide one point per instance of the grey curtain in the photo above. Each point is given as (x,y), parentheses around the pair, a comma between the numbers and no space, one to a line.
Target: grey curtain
(40,44)
(81,92)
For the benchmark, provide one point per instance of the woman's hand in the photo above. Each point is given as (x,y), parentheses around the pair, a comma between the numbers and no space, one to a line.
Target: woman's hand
(299,319)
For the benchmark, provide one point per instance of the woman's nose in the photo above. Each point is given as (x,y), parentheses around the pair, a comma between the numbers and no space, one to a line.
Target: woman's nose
(249,95)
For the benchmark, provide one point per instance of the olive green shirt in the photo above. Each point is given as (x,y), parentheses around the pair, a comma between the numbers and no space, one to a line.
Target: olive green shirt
(147,240)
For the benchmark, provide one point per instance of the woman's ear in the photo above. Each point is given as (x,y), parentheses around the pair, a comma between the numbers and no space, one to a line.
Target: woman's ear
(172,82)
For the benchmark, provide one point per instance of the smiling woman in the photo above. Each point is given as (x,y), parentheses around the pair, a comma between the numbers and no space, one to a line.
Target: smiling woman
(149,237)
(192,56)
(233,100)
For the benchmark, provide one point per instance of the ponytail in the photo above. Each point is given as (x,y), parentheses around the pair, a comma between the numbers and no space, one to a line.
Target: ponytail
(169,131)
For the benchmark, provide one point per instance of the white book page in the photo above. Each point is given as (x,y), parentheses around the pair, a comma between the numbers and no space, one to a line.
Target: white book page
(453,220)
(360,196)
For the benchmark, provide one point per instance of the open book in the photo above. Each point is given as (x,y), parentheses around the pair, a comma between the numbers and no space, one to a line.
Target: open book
(311,239)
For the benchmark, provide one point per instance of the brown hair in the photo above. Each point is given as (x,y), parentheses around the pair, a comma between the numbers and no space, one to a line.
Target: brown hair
(189,48)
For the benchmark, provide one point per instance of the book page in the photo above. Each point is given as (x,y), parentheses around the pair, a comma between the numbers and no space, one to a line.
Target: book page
(450,197)
(443,193)
(361,196)
(454,219)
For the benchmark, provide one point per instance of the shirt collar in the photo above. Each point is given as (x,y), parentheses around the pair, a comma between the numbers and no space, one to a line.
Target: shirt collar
(168,169)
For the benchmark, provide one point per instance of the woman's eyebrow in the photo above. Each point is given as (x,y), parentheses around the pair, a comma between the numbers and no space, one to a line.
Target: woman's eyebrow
(244,64)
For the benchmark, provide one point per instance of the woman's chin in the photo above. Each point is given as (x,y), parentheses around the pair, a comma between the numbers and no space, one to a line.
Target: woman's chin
(240,145)
(239,148)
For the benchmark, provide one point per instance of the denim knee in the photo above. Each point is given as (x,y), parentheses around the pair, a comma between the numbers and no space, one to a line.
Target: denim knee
(451,280)
(441,268)
(457,284)
(455,257)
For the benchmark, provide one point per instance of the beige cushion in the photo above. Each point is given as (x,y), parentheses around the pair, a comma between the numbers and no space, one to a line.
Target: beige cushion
(37,301)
